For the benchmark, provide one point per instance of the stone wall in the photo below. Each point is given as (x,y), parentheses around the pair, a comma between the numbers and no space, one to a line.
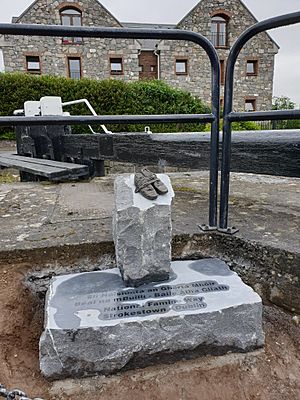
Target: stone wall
(198,79)
(94,53)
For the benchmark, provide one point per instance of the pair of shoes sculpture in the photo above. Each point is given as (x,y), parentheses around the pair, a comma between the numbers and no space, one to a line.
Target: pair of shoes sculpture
(149,185)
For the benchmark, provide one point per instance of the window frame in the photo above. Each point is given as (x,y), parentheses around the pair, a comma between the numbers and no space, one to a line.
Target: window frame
(221,103)
(71,40)
(32,71)
(222,71)
(251,100)
(182,60)
(69,69)
(113,72)
(218,32)
(256,65)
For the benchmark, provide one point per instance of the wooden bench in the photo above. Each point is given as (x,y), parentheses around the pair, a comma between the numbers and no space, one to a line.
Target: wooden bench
(40,168)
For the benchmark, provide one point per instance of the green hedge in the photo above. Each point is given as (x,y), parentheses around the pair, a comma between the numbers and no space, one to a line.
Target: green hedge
(107,97)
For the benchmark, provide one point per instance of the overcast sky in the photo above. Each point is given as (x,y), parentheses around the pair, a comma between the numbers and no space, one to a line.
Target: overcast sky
(287,67)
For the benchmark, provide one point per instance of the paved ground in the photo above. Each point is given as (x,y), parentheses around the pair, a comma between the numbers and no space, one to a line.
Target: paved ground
(7,145)
(265,209)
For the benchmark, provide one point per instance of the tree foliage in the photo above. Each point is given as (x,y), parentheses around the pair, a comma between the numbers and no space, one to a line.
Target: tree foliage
(284,103)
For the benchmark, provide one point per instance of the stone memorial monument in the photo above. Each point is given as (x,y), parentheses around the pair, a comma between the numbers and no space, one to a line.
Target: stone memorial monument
(142,231)
(96,324)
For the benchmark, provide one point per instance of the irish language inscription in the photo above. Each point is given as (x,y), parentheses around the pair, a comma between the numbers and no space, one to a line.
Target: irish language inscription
(146,301)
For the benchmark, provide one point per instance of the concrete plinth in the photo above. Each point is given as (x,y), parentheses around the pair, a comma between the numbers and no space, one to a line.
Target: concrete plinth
(142,232)
(95,325)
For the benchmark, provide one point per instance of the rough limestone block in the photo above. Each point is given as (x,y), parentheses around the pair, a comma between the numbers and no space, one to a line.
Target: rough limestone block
(96,325)
(142,232)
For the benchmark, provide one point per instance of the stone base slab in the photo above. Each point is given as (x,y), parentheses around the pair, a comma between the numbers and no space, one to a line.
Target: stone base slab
(96,325)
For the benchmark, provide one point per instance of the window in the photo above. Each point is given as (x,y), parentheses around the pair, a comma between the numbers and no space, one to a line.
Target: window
(33,65)
(181,67)
(116,66)
(250,105)
(222,62)
(252,68)
(219,29)
(153,68)
(71,17)
(74,66)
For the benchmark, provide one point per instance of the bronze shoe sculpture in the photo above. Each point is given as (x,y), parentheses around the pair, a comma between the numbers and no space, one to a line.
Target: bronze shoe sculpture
(144,186)
(158,185)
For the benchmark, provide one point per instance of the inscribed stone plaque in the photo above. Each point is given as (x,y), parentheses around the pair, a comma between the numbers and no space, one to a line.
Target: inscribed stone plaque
(95,321)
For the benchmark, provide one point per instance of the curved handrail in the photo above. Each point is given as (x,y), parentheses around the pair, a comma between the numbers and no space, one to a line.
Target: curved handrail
(229,116)
(133,33)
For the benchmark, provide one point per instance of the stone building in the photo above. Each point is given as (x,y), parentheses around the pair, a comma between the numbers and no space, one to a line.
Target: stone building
(181,64)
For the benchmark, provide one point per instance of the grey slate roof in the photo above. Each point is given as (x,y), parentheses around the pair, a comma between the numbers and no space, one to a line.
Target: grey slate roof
(147,44)
(147,26)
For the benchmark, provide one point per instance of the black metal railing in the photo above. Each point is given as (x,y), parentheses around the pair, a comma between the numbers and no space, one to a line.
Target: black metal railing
(126,33)
(230,116)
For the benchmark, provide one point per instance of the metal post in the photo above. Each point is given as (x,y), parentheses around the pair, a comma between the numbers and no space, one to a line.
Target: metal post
(88,104)
(99,167)
(214,152)
(229,116)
